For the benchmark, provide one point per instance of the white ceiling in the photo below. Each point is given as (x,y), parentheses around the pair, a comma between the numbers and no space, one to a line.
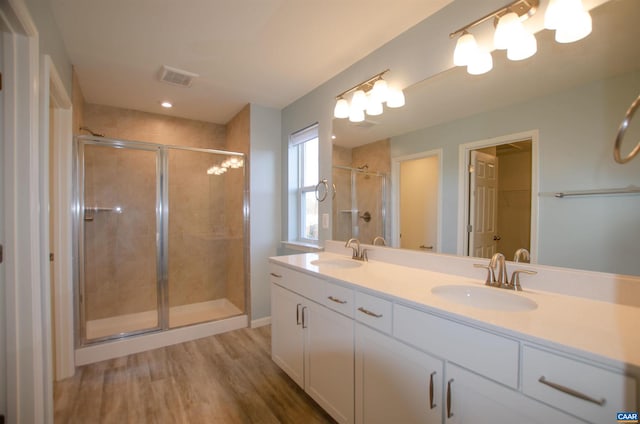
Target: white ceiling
(611,49)
(269,52)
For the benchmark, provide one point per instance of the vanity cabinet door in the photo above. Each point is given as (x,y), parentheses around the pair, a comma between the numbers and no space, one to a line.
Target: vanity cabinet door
(329,364)
(472,399)
(287,334)
(394,382)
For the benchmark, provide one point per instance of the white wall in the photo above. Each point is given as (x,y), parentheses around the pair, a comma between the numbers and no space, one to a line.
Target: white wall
(576,130)
(265,201)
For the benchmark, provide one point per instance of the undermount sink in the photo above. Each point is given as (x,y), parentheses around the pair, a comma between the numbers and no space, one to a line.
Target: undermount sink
(485,298)
(337,263)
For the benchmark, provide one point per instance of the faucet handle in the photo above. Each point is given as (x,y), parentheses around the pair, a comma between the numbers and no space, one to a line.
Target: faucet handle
(491,278)
(363,255)
(515,278)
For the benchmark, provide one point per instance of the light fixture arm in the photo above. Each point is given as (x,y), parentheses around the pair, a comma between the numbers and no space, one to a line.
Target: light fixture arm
(364,84)
(518,6)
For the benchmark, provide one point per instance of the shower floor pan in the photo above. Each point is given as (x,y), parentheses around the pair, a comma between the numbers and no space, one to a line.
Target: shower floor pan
(179,316)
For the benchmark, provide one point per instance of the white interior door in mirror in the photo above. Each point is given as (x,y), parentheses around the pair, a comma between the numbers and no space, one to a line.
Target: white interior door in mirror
(483,202)
(419,182)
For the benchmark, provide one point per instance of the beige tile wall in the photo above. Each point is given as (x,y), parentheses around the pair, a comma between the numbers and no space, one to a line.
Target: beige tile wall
(205,213)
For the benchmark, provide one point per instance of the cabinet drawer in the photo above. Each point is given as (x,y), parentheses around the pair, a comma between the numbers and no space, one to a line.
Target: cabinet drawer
(298,282)
(587,391)
(338,298)
(485,353)
(373,311)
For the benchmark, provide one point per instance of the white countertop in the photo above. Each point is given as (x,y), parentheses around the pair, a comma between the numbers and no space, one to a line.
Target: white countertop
(605,332)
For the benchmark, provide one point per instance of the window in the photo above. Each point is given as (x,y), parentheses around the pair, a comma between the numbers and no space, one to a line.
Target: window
(303,178)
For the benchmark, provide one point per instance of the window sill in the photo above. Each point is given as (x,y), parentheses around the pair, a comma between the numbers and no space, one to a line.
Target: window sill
(302,247)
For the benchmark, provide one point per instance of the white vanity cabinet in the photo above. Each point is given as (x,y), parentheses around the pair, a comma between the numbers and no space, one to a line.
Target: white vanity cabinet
(311,343)
(395,383)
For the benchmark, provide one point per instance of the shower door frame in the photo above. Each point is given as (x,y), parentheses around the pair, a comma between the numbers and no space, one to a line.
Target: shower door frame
(162,231)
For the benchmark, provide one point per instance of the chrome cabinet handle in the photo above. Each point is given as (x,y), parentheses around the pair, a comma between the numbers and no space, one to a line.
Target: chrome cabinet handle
(431,404)
(335,299)
(571,392)
(449,413)
(368,312)
(304,317)
(298,313)
(273,274)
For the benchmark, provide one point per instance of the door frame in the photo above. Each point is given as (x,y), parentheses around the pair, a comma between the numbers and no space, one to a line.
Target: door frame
(28,355)
(464,154)
(395,194)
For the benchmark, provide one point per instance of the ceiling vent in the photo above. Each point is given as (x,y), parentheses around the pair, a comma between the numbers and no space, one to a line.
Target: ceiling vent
(176,76)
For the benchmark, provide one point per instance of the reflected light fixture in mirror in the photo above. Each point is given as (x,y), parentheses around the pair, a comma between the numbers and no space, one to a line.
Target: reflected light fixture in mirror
(568,18)
(368,97)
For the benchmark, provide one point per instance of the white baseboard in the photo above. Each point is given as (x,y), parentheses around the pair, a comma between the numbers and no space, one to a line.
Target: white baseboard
(123,347)
(260,322)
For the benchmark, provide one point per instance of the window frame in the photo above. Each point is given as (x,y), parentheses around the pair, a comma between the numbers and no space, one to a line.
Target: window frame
(297,142)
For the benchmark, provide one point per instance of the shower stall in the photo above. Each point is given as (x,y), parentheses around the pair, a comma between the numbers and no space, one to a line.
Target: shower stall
(161,237)
(359,203)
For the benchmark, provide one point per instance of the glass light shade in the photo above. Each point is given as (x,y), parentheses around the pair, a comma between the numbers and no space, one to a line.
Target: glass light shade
(575,29)
(342,109)
(481,64)
(396,98)
(356,114)
(509,26)
(374,107)
(380,91)
(359,100)
(523,47)
(466,48)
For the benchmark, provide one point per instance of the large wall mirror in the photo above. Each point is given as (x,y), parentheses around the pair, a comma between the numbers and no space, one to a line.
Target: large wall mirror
(544,125)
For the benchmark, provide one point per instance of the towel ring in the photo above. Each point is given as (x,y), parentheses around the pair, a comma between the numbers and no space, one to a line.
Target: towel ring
(324,182)
(623,127)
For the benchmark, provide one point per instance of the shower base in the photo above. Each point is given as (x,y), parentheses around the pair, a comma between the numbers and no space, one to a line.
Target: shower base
(179,316)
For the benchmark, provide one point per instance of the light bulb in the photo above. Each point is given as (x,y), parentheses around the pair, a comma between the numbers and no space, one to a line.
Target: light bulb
(508,26)
(374,107)
(466,48)
(359,100)
(569,18)
(481,63)
(342,109)
(380,91)
(523,47)
(356,114)
(576,29)
(396,98)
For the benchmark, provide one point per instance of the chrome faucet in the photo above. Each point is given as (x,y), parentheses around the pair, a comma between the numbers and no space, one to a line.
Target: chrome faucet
(379,238)
(358,253)
(502,279)
(521,254)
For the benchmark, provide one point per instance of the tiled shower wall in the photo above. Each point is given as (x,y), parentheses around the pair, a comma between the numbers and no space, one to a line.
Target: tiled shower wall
(206,217)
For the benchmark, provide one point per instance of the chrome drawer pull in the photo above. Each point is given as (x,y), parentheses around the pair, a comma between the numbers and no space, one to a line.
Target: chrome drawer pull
(298,314)
(273,274)
(571,392)
(368,312)
(335,299)
(431,404)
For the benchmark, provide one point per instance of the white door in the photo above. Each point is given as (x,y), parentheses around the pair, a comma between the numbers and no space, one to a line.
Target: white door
(394,382)
(287,334)
(419,181)
(483,204)
(329,365)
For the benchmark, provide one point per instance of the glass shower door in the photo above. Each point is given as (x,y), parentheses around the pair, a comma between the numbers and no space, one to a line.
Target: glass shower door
(119,274)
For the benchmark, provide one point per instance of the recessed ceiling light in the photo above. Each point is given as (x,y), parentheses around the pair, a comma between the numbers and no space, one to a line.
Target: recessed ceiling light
(166,105)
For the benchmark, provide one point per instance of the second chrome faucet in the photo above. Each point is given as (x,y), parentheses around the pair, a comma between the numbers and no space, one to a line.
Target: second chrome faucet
(501,280)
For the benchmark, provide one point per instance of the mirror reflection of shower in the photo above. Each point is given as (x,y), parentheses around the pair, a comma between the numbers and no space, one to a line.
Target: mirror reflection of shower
(360,175)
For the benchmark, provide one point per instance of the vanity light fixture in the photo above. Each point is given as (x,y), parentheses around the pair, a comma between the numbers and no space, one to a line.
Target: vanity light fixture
(367,97)
(569,18)
(233,162)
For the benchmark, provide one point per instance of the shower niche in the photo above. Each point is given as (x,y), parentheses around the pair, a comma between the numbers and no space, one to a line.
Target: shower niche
(161,237)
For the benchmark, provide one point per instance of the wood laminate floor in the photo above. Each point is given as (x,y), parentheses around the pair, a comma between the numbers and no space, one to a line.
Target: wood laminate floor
(227,378)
